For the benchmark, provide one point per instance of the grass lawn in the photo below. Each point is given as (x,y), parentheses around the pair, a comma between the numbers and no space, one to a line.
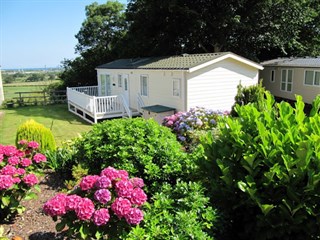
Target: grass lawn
(63,124)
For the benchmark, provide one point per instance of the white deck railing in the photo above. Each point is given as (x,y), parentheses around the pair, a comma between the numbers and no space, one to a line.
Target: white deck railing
(82,100)
(89,90)
(96,107)
(108,104)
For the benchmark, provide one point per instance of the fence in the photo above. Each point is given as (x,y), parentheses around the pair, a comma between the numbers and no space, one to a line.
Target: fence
(40,98)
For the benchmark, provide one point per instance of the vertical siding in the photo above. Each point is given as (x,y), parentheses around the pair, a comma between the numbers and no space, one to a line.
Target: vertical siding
(215,87)
(298,87)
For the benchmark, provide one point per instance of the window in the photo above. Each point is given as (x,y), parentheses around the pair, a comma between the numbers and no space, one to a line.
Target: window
(272,76)
(105,88)
(312,78)
(119,80)
(144,85)
(176,87)
(286,80)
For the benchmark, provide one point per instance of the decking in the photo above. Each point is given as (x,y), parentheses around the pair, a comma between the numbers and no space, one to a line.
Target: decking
(87,104)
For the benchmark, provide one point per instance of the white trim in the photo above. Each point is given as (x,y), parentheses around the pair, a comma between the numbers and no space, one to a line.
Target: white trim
(314,76)
(178,90)
(225,56)
(286,80)
(147,78)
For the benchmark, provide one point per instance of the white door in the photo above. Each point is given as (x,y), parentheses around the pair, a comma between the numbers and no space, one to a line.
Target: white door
(105,85)
(126,88)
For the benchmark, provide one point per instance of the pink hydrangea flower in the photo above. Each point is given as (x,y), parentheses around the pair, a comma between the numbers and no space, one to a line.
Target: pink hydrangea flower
(85,209)
(134,216)
(6,181)
(88,182)
(20,153)
(123,174)
(20,171)
(23,142)
(13,160)
(16,180)
(25,162)
(138,197)
(8,170)
(102,195)
(56,206)
(33,144)
(101,217)
(9,150)
(103,182)
(124,188)
(110,173)
(72,202)
(30,179)
(1,157)
(39,158)
(121,206)
(137,182)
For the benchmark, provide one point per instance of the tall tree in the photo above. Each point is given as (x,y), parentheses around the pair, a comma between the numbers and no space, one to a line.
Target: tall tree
(98,39)
(247,27)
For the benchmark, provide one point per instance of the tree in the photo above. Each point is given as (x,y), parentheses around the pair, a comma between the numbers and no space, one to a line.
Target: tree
(98,39)
(249,28)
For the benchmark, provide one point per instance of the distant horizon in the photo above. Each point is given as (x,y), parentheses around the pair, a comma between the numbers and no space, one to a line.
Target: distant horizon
(29,68)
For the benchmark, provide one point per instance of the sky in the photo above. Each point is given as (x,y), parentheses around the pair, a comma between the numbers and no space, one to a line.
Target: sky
(40,33)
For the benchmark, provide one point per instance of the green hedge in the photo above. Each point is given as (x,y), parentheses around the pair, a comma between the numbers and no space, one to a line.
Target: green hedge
(142,147)
(264,170)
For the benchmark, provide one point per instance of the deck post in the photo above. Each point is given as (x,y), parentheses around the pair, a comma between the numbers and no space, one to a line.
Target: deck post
(94,110)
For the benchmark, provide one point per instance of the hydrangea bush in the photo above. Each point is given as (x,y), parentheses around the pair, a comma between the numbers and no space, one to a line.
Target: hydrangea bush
(17,176)
(100,206)
(185,124)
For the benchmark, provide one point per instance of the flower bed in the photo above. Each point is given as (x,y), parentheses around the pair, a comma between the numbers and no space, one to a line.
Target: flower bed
(100,205)
(18,168)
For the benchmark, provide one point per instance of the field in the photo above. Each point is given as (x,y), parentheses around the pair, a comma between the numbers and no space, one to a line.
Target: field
(11,89)
(63,124)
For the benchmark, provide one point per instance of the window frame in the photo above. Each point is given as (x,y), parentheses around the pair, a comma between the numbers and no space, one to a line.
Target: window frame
(315,74)
(144,89)
(176,92)
(286,80)
(272,75)
(120,80)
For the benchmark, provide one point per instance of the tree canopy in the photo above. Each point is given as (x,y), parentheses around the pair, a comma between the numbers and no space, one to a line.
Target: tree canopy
(257,29)
(98,40)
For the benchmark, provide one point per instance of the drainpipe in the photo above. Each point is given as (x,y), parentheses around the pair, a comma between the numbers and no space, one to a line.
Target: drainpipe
(1,88)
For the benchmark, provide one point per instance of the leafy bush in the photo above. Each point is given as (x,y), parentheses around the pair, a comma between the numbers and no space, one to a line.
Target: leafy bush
(177,212)
(60,158)
(17,176)
(245,95)
(264,170)
(100,207)
(188,126)
(142,147)
(33,131)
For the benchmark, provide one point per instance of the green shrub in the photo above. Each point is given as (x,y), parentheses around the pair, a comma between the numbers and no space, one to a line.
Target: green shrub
(245,95)
(264,170)
(177,212)
(142,147)
(60,158)
(33,131)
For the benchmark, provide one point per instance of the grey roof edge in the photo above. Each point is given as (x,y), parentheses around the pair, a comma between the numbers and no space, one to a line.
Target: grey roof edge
(308,62)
